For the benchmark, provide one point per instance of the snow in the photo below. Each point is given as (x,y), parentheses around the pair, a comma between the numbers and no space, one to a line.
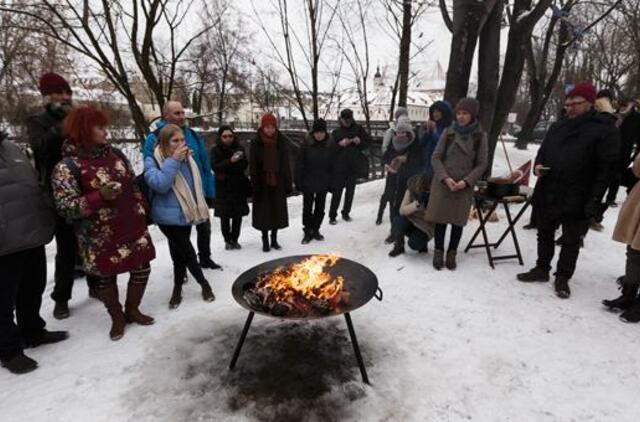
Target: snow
(473,344)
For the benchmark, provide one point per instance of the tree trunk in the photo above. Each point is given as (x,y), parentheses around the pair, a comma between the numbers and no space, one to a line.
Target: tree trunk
(394,95)
(489,64)
(405,50)
(468,19)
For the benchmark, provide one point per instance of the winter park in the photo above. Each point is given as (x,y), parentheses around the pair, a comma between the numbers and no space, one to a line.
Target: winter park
(319,210)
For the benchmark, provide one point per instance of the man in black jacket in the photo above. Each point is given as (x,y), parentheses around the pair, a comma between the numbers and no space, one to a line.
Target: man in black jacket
(349,140)
(46,140)
(629,123)
(573,166)
(27,223)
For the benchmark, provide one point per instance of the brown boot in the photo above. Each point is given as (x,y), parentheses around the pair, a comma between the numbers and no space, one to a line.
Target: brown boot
(533,275)
(108,294)
(135,292)
(561,286)
(451,260)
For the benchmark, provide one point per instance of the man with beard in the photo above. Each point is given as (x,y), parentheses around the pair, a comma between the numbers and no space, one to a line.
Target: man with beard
(46,139)
(574,166)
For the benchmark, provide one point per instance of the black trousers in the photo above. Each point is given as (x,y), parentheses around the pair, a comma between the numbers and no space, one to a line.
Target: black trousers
(572,230)
(204,239)
(336,197)
(24,277)
(313,205)
(182,253)
(66,259)
(614,186)
(402,226)
(230,228)
(440,232)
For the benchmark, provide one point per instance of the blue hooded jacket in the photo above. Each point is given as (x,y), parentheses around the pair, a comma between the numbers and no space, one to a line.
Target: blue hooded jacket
(200,155)
(430,140)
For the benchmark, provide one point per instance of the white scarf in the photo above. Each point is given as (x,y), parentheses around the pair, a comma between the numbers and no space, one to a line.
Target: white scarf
(195,210)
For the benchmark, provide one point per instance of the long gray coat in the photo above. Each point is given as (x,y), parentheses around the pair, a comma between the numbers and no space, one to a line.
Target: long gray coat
(465,159)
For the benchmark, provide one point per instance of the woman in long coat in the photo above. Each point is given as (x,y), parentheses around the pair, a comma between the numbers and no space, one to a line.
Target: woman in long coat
(628,231)
(458,162)
(93,186)
(229,162)
(270,181)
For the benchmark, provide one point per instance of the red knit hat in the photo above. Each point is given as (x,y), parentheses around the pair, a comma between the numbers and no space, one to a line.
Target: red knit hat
(52,83)
(585,90)
(268,119)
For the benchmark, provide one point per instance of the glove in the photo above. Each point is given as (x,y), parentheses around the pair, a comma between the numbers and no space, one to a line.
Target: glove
(110,191)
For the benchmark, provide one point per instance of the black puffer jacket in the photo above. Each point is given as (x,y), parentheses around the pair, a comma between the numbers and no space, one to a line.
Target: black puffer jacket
(629,138)
(314,166)
(396,183)
(581,154)
(46,142)
(232,185)
(27,217)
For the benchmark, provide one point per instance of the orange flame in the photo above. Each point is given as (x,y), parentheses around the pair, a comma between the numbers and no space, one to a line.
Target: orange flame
(306,278)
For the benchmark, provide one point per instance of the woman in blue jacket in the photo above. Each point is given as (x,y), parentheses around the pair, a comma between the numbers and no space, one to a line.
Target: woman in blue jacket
(178,203)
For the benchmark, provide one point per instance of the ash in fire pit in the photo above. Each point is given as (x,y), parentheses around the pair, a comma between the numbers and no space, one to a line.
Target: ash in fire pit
(301,289)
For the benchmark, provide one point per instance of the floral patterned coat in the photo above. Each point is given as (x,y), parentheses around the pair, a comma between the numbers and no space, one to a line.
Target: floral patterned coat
(112,235)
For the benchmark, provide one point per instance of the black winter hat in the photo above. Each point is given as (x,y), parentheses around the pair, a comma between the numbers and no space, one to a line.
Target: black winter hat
(346,114)
(319,126)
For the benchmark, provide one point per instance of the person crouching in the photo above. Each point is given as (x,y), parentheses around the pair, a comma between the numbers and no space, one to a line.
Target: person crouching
(411,221)
(178,203)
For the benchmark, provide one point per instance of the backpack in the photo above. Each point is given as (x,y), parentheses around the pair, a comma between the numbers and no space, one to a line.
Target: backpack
(138,181)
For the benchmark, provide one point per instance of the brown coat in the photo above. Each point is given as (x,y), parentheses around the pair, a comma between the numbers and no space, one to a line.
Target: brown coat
(465,159)
(628,226)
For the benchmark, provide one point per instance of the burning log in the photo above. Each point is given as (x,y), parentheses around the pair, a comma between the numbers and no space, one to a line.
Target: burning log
(301,289)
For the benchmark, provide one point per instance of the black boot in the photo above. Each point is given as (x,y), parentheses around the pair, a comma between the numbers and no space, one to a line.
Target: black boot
(207,262)
(274,240)
(398,249)
(533,275)
(561,286)
(265,242)
(307,237)
(176,296)
(451,263)
(438,259)
(20,364)
(207,293)
(317,235)
(61,310)
(625,301)
(45,337)
(390,239)
(632,314)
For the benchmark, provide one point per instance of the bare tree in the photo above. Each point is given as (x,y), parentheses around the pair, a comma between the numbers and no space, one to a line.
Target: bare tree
(318,18)
(137,37)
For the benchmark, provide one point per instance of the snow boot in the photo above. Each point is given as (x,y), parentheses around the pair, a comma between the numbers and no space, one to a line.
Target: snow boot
(536,274)
(438,259)
(209,263)
(625,301)
(19,364)
(108,294)
(265,242)
(346,217)
(45,337)
(307,237)
(451,263)
(207,293)
(317,235)
(561,286)
(333,221)
(274,241)
(176,296)
(135,292)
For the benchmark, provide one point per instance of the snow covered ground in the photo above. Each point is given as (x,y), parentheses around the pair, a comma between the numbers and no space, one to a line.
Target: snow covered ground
(473,344)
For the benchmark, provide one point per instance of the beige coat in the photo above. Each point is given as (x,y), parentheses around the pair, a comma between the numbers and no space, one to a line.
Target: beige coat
(628,226)
(462,162)
(411,209)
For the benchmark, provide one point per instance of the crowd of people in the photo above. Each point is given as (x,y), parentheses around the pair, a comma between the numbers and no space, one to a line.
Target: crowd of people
(84,192)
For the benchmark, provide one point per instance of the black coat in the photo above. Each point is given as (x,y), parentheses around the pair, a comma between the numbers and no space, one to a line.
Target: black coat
(232,185)
(270,203)
(46,142)
(314,166)
(629,139)
(345,159)
(581,154)
(396,183)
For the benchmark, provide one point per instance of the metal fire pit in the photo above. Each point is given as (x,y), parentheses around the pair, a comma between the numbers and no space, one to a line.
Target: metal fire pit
(359,281)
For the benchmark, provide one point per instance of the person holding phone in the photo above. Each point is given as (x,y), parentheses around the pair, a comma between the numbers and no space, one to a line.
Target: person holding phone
(574,167)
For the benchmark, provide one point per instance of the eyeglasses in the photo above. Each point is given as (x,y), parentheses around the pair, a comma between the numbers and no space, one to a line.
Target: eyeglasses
(574,104)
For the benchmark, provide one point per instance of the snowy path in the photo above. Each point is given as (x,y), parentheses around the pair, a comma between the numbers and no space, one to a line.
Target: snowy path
(473,344)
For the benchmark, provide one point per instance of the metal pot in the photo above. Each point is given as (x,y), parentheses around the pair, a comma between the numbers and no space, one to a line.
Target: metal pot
(498,187)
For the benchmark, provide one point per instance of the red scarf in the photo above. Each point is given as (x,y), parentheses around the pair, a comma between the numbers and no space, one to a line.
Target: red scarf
(271,162)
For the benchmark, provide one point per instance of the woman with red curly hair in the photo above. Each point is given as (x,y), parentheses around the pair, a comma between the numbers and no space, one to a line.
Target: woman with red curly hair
(93,186)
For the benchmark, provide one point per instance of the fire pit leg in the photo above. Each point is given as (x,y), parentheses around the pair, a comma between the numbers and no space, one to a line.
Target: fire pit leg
(245,330)
(356,348)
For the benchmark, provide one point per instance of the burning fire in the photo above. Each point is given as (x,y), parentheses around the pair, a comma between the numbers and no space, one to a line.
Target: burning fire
(302,288)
